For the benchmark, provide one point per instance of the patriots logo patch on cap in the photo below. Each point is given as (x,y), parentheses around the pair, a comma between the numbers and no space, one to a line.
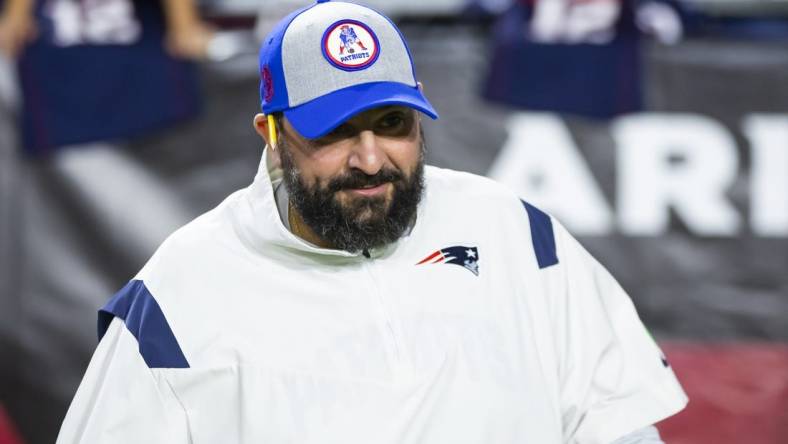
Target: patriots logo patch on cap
(467,257)
(350,45)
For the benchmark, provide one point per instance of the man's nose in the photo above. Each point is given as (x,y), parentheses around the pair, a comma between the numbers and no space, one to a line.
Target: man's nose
(368,155)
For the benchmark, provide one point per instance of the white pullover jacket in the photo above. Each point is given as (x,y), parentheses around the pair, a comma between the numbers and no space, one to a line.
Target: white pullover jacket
(487,323)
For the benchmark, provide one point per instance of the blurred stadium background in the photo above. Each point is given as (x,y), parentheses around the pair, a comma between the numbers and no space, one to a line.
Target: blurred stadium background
(656,130)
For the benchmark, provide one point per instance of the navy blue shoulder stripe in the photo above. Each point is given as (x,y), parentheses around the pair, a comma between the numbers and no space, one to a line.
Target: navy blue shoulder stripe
(144,319)
(542,236)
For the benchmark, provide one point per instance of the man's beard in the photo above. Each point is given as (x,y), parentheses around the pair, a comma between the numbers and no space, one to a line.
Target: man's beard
(361,223)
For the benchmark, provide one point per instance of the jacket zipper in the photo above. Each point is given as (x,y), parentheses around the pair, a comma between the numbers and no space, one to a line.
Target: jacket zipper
(394,342)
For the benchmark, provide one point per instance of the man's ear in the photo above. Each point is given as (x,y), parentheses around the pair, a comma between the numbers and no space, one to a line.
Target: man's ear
(421,86)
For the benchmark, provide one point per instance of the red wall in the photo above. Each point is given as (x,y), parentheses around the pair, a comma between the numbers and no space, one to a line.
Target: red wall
(738,393)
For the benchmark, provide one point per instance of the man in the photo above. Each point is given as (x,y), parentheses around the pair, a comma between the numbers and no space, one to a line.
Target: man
(351,294)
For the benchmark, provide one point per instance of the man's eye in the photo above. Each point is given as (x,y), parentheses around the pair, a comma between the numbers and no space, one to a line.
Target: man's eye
(393,120)
(341,130)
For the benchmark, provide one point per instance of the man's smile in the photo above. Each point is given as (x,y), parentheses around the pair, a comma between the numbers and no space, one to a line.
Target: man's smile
(372,190)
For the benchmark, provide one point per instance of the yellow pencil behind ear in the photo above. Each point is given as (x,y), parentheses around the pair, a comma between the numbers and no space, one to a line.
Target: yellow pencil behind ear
(272,131)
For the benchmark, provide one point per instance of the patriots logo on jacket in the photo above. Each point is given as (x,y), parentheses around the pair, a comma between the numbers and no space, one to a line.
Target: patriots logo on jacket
(467,257)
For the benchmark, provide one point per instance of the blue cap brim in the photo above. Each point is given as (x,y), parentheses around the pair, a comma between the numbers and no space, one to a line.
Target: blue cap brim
(318,117)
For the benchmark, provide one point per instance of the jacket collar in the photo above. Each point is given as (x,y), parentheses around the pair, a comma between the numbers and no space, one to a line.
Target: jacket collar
(258,216)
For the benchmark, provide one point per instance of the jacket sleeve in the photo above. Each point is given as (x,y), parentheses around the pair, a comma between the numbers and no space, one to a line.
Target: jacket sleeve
(614,379)
(121,400)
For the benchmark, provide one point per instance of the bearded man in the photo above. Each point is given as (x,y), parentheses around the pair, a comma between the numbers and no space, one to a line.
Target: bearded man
(353,295)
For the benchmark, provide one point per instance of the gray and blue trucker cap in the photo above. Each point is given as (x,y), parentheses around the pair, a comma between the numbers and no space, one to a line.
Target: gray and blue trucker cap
(329,61)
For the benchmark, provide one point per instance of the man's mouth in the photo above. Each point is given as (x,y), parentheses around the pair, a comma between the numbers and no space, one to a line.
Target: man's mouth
(370,190)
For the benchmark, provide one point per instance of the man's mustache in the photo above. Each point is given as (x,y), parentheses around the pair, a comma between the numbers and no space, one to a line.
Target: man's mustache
(358,179)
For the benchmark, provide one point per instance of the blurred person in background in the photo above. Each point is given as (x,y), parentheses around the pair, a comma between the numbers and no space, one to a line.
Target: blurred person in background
(187,35)
(76,77)
(353,294)
(75,56)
